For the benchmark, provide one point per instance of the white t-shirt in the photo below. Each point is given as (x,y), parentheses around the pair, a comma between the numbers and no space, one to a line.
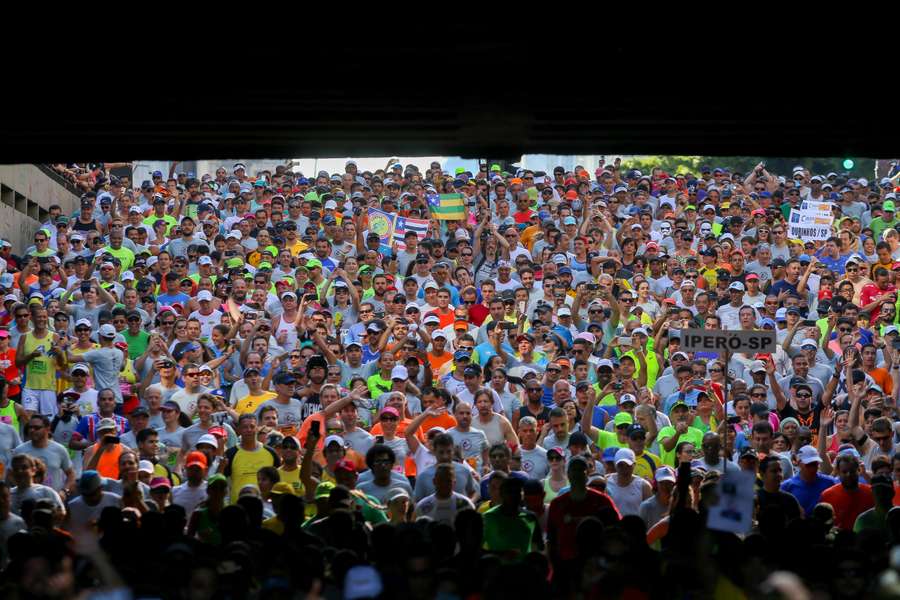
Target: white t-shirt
(207,322)
(443,510)
(189,497)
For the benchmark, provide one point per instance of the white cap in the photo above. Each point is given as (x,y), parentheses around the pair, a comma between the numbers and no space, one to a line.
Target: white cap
(209,439)
(415,306)
(399,372)
(684,354)
(235,234)
(627,398)
(430,285)
(640,330)
(83,322)
(107,331)
(604,362)
(625,455)
(707,207)
(431,319)
(330,205)
(890,329)
(564,312)
(664,474)
(781,313)
(756,366)
(439,334)
(461,234)
(127,276)
(736,285)
(80,367)
(808,454)
(145,466)
(204,260)
(334,438)
(152,260)
(204,295)
(809,342)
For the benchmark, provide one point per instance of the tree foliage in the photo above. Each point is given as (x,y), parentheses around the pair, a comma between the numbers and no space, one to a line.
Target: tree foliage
(863,167)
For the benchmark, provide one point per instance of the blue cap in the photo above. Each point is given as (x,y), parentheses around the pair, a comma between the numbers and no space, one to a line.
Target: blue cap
(461,355)
(633,210)
(458,183)
(769,322)
(543,215)
(765,195)
(564,270)
(303,181)
(157,174)
(609,455)
(705,169)
(803,258)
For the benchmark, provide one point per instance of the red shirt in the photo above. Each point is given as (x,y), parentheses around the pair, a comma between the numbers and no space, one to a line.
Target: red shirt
(478,313)
(565,514)
(10,370)
(523,217)
(871,291)
(848,504)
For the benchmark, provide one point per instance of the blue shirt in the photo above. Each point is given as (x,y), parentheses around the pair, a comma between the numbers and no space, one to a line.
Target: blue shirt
(170,299)
(808,494)
(837,265)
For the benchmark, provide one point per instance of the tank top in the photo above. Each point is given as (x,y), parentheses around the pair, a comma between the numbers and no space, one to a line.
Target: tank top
(290,330)
(40,373)
(8,415)
(491,429)
(109,462)
(628,498)
(549,492)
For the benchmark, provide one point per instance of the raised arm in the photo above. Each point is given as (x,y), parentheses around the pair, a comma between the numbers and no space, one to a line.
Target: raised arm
(780,399)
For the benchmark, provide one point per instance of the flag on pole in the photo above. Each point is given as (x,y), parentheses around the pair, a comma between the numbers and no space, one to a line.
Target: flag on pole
(447,207)
(403,224)
(382,223)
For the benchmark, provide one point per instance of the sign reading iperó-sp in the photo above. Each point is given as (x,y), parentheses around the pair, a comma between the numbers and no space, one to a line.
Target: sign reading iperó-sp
(719,341)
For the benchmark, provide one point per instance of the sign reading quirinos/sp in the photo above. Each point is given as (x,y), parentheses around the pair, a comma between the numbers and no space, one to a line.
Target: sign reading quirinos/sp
(722,341)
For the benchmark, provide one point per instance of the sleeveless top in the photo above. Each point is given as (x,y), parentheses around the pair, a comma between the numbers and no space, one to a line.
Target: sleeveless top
(109,462)
(290,330)
(40,373)
(628,498)
(491,429)
(8,415)
(549,492)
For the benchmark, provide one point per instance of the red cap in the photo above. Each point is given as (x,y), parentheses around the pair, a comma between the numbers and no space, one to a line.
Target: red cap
(345,465)
(751,276)
(737,251)
(217,430)
(196,459)
(825,295)
(571,181)
(571,195)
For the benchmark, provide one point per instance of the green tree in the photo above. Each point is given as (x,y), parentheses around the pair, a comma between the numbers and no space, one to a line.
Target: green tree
(863,167)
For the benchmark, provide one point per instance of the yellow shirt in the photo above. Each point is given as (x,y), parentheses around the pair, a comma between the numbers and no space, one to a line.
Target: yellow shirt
(293,478)
(250,403)
(297,248)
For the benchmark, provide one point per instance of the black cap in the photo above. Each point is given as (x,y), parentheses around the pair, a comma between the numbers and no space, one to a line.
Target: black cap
(636,430)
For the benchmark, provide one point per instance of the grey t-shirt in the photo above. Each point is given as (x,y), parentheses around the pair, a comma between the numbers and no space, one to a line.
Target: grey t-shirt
(465,483)
(289,415)
(35,491)
(534,462)
(9,440)
(472,443)
(78,311)
(380,493)
(107,363)
(55,456)
(358,440)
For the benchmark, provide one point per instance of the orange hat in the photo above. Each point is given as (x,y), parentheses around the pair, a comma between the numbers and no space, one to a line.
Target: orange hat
(196,459)
(571,195)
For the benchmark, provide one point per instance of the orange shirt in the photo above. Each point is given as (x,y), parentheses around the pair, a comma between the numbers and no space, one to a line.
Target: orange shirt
(445,420)
(401,428)
(439,361)
(883,379)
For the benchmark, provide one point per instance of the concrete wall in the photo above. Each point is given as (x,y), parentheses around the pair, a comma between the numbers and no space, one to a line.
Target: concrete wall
(25,195)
